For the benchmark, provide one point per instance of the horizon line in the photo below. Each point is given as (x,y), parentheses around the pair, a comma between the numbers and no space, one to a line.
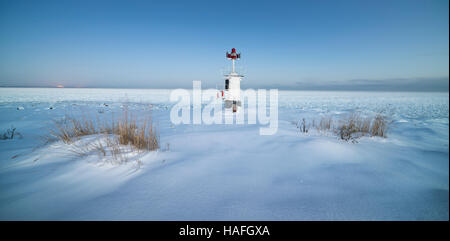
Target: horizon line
(262,87)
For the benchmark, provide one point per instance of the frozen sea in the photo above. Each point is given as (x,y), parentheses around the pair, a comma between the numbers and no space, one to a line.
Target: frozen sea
(229,172)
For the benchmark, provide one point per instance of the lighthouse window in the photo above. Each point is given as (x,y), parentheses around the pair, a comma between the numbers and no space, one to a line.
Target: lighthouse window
(227,83)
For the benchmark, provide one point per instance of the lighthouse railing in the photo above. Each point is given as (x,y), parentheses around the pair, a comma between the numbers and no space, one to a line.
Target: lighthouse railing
(226,70)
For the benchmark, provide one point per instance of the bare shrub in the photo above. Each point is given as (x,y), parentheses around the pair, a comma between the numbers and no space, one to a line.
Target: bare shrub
(10,133)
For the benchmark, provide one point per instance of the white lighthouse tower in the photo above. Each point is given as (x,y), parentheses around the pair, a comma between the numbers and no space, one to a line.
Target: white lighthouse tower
(232,88)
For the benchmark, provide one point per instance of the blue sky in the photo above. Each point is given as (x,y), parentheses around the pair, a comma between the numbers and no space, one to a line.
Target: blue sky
(369,45)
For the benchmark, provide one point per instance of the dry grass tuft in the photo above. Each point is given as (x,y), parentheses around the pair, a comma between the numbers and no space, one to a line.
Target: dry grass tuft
(350,127)
(120,137)
(71,129)
(326,123)
(355,126)
(143,137)
(379,126)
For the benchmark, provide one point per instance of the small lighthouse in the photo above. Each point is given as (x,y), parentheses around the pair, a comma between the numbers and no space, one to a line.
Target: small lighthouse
(232,88)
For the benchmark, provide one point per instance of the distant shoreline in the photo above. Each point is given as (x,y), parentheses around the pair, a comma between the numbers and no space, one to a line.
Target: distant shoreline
(262,87)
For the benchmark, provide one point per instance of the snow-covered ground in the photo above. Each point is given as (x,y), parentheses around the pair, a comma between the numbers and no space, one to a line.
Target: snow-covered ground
(229,172)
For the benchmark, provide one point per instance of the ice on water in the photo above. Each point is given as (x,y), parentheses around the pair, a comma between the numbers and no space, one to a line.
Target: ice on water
(223,172)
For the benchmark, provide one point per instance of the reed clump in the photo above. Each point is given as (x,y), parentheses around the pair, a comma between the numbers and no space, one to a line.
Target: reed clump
(349,127)
(117,137)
